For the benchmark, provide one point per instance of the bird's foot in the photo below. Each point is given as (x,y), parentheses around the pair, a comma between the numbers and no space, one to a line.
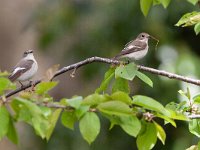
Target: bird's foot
(32,86)
(22,86)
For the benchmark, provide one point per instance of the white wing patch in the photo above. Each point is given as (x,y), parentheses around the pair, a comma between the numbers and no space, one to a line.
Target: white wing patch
(17,69)
(131,46)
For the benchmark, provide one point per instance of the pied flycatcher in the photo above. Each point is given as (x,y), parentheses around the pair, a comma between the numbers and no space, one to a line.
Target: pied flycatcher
(135,49)
(25,69)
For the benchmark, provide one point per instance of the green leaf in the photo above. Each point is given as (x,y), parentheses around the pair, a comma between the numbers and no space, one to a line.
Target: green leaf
(160,132)
(68,119)
(145,5)
(193,1)
(193,147)
(196,98)
(107,78)
(198,145)
(144,78)
(75,101)
(194,127)
(147,137)
(197,28)
(89,126)
(32,114)
(149,103)
(52,122)
(46,111)
(186,94)
(130,124)
(5,84)
(81,111)
(115,108)
(174,113)
(12,134)
(189,19)
(23,114)
(121,96)
(95,99)
(165,3)
(167,119)
(127,72)
(44,87)
(4,121)
(121,84)
(177,115)
(156,2)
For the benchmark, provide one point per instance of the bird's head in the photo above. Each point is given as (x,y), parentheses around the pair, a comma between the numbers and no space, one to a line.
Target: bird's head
(27,52)
(143,36)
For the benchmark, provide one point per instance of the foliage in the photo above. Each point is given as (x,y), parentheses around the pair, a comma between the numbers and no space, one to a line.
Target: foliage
(137,115)
(188,19)
(140,116)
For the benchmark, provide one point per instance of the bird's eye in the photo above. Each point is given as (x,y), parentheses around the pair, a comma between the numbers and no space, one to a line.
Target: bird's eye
(142,35)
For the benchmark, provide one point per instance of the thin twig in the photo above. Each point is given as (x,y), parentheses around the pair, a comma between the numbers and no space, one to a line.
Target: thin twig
(194,116)
(24,87)
(85,62)
(110,61)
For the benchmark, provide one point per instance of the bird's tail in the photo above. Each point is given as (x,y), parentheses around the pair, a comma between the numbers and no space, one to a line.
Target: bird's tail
(12,77)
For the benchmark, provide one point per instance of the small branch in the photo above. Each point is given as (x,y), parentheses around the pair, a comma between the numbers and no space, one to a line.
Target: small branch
(53,105)
(85,62)
(21,89)
(109,61)
(169,75)
(194,116)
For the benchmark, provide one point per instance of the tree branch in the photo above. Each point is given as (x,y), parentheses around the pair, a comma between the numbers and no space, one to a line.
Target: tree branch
(147,115)
(109,61)
(21,89)
(194,116)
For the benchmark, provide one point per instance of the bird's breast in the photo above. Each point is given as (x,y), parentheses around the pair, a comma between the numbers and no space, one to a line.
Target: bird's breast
(30,73)
(137,55)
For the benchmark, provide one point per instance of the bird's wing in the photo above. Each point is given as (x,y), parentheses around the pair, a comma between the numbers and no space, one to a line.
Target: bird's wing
(23,66)
(132,47)
(135,44)
(129,43)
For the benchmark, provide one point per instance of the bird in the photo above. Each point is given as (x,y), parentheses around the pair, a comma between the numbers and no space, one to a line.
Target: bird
(135,49)
(25,69)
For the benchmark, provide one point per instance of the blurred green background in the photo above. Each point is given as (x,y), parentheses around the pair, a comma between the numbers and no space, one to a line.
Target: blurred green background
(67,31)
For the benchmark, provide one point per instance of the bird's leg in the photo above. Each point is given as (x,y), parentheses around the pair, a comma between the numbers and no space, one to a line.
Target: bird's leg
(32,85)
(21,84)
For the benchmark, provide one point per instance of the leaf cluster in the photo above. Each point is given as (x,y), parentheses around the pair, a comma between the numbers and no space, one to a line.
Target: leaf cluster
(188,19)
(137,115)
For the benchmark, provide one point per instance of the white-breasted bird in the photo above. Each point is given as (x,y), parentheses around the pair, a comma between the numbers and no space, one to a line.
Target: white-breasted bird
(135,49)
(25,69)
